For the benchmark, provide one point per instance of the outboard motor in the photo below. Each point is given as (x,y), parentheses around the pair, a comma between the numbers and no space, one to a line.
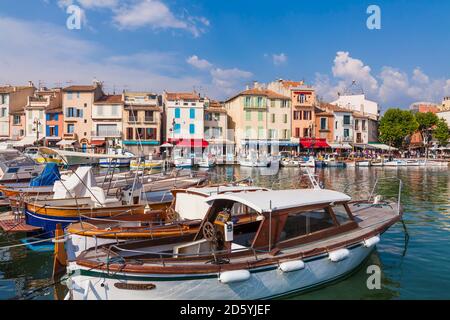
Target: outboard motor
(130,195)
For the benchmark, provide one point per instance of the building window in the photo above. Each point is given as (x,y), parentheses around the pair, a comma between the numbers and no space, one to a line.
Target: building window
(273,117)
(177,128)
(192,113)
(139,133)
(272,134)
(323,124)
(3,112)
(260,116)
(301,98)
(132,115)
(260,102)
(208,116)
(306,115)
(69,95)
(356,124)
(364,125)
(260,132)
(70,128)
(150,133)
(346,119)
(297,115)
(149,116)
(248,115)
(130,135)
(297,132)
(346,133)
(248,131)
(177,113)
(192,128)
(247,101)
(100,110)
(16,120)
(285,118)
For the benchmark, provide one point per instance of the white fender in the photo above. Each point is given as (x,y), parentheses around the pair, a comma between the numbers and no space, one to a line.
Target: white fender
(338,255)
(234,276)
(371,241)
(292,265)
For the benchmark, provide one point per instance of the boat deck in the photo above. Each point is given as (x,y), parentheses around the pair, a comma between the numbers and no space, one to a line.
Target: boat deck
(10,223)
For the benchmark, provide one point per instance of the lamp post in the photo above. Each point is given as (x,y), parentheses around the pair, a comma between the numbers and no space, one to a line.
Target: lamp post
(36,123)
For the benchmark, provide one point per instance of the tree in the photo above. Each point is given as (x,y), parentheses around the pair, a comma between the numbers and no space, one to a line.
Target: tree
(396,125)
(426,121)
(441,132)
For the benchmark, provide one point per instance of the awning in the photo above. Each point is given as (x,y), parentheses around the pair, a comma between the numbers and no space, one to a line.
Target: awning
(26,141)
(167,145)
(97,142)
(65,142)
(190,143)
(381,146)
(314,143)
(340,146)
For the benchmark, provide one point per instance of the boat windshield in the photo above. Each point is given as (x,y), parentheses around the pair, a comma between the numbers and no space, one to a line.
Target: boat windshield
(15,160)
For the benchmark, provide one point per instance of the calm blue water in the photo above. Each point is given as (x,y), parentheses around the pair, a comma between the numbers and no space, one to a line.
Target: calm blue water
(417,269)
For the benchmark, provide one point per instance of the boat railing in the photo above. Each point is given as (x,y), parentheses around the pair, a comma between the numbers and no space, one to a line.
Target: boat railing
(166,255)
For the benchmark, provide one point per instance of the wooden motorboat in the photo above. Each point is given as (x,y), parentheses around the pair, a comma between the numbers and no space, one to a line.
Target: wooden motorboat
(301,239)
(183,217)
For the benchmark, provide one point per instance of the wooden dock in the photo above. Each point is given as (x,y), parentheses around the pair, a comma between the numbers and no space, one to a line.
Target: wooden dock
(10,223)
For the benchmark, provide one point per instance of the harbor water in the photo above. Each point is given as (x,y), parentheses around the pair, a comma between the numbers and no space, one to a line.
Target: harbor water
(414,262)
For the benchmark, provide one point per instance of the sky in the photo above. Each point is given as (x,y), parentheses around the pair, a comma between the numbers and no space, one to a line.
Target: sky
(218,47)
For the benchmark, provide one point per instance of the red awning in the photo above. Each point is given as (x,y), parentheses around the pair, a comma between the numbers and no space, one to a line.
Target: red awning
(189,143)
(97,142)
(314,143)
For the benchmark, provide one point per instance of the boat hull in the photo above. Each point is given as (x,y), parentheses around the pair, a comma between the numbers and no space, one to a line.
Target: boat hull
(264,283)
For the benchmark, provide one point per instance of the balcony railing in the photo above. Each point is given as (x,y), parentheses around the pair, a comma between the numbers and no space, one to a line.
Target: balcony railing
(106,133)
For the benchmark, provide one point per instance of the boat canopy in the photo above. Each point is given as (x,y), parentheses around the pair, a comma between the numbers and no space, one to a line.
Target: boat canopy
(209,191)
(48,176)
(267,201)
(340,146)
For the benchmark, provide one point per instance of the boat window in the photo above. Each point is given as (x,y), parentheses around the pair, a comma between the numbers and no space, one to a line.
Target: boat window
(341,213)
(303,223)
(239,208)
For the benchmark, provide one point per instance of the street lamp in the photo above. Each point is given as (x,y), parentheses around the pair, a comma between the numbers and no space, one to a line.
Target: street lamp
(36,123)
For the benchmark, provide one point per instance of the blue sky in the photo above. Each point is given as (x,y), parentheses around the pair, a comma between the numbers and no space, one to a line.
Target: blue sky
(219,46)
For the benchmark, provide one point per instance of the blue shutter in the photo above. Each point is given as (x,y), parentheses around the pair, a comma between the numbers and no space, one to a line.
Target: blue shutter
(56,129)
(177,113)
(47,117)
(192,128)
(56,118)
(192,113)
(47,131)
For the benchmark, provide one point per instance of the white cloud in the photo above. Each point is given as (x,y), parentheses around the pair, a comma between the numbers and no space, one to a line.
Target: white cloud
(198,63)
(154,14)
(349,69)
(279,59)
(391,87)
(59,56)
(229,79)
(90,4)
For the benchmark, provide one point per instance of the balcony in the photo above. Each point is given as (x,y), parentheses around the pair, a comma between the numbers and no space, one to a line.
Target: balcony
(106,134)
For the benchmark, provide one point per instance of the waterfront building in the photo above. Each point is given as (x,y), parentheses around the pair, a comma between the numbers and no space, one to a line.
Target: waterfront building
(324,123)
(354,99)
(12,102)
(77,108)
(17,126)
(260,120)
(107,115)
(424,107)
(365,129)
(216,131)
(142,122)
(45,105)
(445,104)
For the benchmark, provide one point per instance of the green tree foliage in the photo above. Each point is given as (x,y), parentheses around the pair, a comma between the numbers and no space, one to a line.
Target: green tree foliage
(441,132)
(396,125)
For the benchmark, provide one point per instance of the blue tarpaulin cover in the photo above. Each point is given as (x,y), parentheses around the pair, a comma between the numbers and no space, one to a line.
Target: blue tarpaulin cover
(48,176)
